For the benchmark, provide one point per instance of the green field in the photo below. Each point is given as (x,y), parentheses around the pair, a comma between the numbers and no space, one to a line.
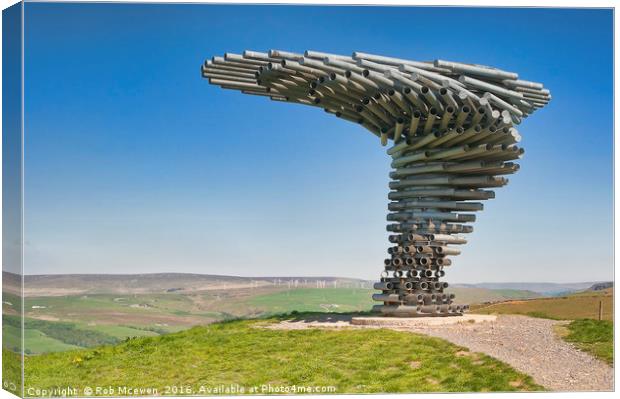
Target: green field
(45,336)
(92,307)
(246,353)
(42,336)
(314,300)
(572,307)
(119,332)
(36,341)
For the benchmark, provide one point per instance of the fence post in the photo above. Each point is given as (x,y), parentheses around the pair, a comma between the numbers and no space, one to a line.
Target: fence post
(600,310)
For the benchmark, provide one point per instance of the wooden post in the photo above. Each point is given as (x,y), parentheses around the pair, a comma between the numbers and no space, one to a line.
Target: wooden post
(600,310)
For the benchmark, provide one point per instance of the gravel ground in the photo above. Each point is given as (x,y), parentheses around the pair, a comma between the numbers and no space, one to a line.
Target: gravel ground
(531,346)
(528,344)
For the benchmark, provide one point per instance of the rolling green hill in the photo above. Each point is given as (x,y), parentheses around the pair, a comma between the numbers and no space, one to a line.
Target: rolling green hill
(247,354)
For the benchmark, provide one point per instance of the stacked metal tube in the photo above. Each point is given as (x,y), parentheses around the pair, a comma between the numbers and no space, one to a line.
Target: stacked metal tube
(452,126)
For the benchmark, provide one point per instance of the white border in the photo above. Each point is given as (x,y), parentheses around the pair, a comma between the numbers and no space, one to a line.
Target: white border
(474,3)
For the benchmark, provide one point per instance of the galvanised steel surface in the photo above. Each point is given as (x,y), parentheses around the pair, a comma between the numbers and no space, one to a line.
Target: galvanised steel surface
(452,126)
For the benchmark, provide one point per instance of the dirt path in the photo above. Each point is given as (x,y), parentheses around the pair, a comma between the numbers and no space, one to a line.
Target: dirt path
(531,346)
(528,344)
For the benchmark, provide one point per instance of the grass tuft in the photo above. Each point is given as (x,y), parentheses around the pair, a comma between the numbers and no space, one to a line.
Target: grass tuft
(593,336)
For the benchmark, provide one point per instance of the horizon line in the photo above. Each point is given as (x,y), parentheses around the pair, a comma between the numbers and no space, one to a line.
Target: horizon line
(292,276)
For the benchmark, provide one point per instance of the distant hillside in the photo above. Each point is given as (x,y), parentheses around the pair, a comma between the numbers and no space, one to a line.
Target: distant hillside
(601,286)
(79,284)
(470,295)
(594,293)
(547,289)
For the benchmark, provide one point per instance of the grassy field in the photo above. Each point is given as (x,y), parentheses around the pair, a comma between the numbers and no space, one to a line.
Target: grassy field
(119,332)
(143,309)
(245,353)
(37,341)
(314,300)
(572,307)
(594,336)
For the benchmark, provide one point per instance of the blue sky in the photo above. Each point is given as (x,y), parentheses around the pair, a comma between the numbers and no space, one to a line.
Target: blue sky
(135,164)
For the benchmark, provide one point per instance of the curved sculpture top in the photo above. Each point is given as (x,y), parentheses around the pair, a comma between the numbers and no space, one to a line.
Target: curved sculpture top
(388,96)
(452,125)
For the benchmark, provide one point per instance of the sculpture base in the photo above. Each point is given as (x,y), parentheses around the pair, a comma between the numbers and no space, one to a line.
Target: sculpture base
(388,321)
(432,310)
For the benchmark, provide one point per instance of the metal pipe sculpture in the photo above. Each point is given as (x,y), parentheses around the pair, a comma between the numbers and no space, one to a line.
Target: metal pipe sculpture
(453,131)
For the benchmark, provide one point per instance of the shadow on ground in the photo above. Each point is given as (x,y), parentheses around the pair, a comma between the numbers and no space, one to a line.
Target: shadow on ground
(309,317)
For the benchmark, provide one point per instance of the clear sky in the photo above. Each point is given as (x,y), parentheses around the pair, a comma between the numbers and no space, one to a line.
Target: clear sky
(135,164)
